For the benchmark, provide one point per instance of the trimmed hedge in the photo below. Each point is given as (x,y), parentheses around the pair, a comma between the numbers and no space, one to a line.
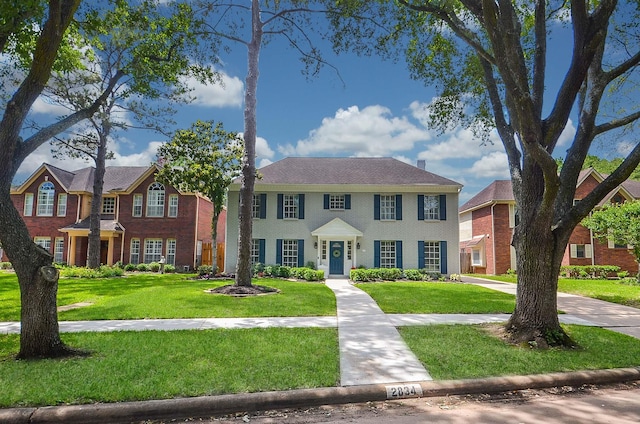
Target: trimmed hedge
(392,274)
(589,271)
(104,271)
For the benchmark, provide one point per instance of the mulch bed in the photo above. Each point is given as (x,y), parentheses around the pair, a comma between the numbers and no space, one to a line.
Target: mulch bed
(234,290)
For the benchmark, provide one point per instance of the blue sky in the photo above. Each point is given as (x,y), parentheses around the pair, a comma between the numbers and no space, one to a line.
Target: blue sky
(375,110)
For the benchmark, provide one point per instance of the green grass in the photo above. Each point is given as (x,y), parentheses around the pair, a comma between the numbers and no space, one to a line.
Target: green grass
(437,298)
(130,366)
(609,290)
(139,296)
(466,351)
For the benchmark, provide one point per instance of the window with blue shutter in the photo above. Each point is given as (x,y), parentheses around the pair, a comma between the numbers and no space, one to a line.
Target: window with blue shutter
(399,254)
(420,254)
(347,201)
(376,208)
(326,201)
(280,205)
(300,206)
(300,253)
(398,207)
(376,253)
(443,257)
(420,207)
(263,207)
(279,251)
(443,207)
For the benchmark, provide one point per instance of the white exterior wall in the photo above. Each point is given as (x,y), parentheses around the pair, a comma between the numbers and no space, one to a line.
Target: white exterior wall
(466,226)
(361,216)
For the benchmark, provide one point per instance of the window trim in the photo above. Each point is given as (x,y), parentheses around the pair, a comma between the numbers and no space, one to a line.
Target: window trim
(170,252)
(27,209)
(58,250)
(156,193)
(137,251)
(158,248)
(61,209)
(172,212)
(44,242)
(111,202)
(134,205)
(46,199)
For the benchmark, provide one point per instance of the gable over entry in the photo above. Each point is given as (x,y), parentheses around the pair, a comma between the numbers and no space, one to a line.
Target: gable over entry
(336,230)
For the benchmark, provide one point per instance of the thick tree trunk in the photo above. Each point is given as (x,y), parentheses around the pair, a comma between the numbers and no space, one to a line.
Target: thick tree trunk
(535,317)
(38,280)
(243,267)
(93,251)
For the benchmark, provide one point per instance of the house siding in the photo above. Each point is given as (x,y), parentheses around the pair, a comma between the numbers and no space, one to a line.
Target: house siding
(409,230)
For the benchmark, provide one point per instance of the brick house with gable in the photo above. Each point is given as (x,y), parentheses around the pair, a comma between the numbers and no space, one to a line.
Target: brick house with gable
(487,221)
(340,213)
(141,219)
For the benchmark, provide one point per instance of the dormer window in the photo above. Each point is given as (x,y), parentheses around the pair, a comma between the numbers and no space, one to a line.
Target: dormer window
(108,205)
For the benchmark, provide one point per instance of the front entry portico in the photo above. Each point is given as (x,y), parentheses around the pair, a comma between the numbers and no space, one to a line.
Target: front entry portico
(336,245)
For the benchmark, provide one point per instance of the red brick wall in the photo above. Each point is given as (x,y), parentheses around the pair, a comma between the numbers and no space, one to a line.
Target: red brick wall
(503,234)
(47,226)
(481,219)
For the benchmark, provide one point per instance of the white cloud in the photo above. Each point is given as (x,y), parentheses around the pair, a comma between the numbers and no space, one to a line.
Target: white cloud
(459,144)
(371,131)
(493,165)
(625,147)
(227,93)
(568,134)
(264,162)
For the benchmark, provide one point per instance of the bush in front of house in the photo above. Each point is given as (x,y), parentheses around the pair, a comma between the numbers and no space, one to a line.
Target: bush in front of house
(414,275)
(589,271)
(104,271)
(142,267)
(6,265)
(154,267)
(168,268)
(130,267)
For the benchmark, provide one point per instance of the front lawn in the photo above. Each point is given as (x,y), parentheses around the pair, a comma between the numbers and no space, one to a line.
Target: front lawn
(609,290)
(127,366)
(437,298)
(468,351)
(138,296)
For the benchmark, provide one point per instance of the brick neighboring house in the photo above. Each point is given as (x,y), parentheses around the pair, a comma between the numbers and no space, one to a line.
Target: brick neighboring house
(340,213)
(487,221)
(141,218)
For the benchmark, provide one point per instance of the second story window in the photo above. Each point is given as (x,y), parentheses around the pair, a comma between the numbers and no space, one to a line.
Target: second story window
(255,207)
(28,204)
(387,207)
(336,201)
(431,207)
(137,205)
(108,206)
(46,194)
(155,200)
(173,205)
(290,205)
(62,204)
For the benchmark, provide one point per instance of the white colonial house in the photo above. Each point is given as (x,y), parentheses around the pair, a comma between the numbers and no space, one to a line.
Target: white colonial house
(342,213)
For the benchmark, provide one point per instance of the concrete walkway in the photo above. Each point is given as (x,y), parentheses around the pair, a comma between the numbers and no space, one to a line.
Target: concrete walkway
(371,349)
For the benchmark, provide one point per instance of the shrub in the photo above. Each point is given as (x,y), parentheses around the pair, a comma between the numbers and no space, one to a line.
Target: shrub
(589,271)
(154,267)
(205,270)
(310,265)
(130,267)
(511,272)
(6,265)
(119,264)
(414,274)
(104,271)
(313,275)
(169,268)
(142,267)
(623,274)
(284,272)
(257,268)
(359,274)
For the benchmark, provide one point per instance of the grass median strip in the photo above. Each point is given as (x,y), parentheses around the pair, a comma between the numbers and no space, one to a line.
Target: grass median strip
(437,298)
(470,351)
(139,296)
(143,365)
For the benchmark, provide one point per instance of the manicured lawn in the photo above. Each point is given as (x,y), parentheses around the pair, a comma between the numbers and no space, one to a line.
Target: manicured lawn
(609,290)
(437,298)
(466,351)
(138,296)
(157,365)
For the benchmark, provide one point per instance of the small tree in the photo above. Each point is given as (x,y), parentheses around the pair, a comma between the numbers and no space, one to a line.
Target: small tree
(619,222)
(203,159)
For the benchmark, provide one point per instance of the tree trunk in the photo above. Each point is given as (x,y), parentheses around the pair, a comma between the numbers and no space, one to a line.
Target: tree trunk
(214,243)
(38,280)
(535,317)
(243,267)
(93,250)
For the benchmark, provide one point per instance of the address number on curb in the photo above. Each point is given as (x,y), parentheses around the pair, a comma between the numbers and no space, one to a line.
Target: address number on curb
(403,391)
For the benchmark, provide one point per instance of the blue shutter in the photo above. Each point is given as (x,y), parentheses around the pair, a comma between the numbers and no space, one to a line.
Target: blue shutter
(420,207)
(280,206)
(376,253)
(279,251)
(347,201)
(263,206)
(261,249)
(443,257)
(398,207)
(300,252)
(326,201)
(420,254)
(300,206)
(443,207)
(376,207)
(399,254)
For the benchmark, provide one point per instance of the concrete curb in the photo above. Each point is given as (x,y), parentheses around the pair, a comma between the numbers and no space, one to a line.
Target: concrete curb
(209,406)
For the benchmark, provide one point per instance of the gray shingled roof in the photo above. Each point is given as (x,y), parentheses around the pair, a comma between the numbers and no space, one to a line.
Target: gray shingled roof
(361,171)
(65,177)
(115,178)
(499,190)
